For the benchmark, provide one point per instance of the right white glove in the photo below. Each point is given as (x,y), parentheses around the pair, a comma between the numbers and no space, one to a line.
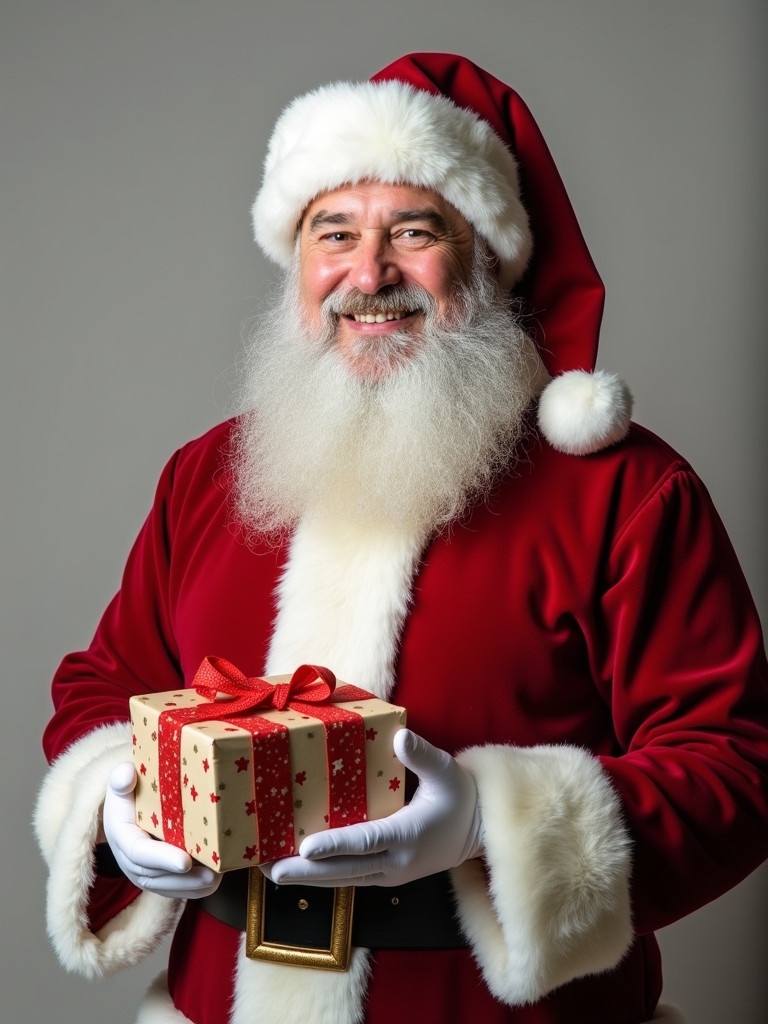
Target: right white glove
(149,863)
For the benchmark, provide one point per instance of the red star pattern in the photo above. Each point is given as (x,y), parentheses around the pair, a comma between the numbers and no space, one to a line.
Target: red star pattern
(270,766)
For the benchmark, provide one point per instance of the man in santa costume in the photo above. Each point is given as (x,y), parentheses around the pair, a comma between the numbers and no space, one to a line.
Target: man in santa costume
(431,491)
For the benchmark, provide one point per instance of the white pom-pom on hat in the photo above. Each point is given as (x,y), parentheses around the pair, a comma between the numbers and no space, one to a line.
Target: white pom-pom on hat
(580,413)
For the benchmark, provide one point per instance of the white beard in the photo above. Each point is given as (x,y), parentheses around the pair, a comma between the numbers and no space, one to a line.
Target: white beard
(413,448)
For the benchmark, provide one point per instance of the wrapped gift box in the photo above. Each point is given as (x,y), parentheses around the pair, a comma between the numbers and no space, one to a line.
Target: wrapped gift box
(237,771)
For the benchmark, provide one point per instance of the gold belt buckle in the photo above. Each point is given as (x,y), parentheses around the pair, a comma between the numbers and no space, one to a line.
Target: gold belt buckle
(258,946)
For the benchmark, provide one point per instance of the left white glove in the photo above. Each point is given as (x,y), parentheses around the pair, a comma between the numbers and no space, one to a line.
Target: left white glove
(439,829)
(149,863)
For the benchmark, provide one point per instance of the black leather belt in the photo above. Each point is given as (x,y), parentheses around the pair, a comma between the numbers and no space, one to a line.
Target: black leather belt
(419,915)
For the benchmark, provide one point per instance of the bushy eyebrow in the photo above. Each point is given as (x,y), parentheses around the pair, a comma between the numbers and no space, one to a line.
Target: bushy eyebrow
(432,217)
(324,218)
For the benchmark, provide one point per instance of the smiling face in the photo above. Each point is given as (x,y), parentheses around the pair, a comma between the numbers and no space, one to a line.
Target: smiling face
(362,247)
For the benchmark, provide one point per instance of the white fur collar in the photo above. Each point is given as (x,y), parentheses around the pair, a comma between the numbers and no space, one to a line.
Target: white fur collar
(342,600)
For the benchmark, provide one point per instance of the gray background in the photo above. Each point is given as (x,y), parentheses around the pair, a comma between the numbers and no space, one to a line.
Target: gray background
(132,139)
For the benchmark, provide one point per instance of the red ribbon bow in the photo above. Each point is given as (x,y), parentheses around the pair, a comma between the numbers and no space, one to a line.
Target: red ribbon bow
(312,684)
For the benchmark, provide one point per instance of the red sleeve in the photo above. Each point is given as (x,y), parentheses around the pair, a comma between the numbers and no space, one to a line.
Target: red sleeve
(133,650)
(680,658)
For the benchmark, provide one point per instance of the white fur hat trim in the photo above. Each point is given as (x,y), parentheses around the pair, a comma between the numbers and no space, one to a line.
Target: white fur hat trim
(581,413)
(389,131)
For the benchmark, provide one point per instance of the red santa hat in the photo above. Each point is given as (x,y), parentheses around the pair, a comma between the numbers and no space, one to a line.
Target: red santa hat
(440,122)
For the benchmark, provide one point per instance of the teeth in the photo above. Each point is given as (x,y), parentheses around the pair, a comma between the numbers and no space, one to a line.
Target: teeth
(379,318)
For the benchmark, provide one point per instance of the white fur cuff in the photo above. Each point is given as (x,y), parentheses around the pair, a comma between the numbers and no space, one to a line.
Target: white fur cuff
(66,823)
(554,904)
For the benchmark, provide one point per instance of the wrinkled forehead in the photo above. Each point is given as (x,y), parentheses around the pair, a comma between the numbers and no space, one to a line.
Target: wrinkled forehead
(381,202)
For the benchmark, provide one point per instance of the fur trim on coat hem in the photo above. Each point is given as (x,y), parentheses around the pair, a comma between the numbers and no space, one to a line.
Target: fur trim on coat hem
(550,902)
(666,1014)
(158,1008)
(264,992)
(321,997)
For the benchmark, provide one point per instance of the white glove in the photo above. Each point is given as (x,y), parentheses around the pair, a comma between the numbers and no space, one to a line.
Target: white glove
(147,862)
(439,829)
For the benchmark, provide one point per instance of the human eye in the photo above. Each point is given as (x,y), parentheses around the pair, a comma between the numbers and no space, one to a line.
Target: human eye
(336,241)
(414,237)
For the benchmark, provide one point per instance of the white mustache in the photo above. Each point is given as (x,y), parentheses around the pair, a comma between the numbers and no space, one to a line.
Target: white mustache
(393,299)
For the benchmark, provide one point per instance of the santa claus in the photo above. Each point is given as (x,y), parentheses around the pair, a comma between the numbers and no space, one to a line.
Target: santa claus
(431,490)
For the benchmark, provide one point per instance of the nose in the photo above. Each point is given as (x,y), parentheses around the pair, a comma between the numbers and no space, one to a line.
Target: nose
(374,265)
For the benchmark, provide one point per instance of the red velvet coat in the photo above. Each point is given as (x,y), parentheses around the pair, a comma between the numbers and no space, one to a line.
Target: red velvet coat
(593,602)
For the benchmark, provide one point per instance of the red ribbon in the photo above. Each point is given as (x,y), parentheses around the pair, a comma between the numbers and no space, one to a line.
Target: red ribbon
(315,688)
(312,683)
